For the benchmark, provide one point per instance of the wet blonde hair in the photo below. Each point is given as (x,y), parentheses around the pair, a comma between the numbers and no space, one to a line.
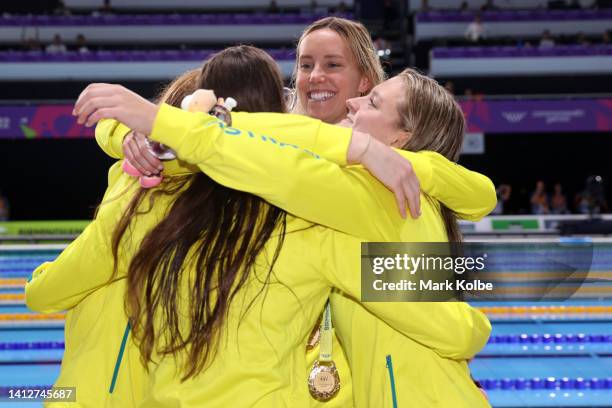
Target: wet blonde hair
(436,122)
(431,114)
(359,42)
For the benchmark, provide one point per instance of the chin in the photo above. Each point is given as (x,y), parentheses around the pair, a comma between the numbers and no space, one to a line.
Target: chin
(320,114)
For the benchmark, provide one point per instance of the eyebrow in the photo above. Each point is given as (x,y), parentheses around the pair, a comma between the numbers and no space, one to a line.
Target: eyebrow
(325,56)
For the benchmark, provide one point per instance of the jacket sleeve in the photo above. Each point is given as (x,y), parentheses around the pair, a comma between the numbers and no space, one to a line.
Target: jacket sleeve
(453,330)
(85,265)
(109,135)
(469,194)
(82,267)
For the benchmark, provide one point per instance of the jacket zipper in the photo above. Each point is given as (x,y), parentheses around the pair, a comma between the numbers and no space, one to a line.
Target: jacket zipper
(392,379)
(119,358)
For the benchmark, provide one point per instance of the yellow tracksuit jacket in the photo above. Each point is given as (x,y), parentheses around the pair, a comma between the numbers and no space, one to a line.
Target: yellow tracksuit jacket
(322,194)
(319,193)
(471,322)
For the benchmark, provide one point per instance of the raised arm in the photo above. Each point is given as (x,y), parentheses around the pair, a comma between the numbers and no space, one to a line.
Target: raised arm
(292,176)
(187,134)
(453,330)
(469,194)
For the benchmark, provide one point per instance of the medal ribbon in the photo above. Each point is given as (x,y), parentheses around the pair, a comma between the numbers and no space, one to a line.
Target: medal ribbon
(325,341)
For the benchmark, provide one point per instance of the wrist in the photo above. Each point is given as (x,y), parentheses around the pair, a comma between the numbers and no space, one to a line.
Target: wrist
(358,147)
(153,111)
(376,150)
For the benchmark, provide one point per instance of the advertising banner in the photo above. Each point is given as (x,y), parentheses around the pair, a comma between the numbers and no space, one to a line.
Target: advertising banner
(538,116)
(483,116)
(40,121)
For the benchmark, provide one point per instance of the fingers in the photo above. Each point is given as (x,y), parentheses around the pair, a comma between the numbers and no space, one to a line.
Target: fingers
(91,91)
(410,186)
(413,195)
(94,98)
(130,149)
(147,159)
(89,105)
(401,201)
(103,113)
(138,154)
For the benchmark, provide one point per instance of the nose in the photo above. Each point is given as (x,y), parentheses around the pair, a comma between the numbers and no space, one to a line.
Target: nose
(317,75)
(352,105)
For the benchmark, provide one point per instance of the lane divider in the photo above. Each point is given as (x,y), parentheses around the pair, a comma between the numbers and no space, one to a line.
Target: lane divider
(31,316)
(550,338)
(35,345)
(549,383)
(551,310)
(15,282)
(12,296)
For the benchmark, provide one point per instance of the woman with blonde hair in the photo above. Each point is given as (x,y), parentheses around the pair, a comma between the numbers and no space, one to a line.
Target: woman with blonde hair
(335,61)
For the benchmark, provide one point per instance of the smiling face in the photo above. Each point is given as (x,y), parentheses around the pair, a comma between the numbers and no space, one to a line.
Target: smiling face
(327,76)
(377,113)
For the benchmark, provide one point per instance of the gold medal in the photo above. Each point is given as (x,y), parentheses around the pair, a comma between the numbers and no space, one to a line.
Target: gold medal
(323,381)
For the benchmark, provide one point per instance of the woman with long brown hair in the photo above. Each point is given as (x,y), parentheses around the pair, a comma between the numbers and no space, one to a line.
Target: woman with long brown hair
(198,212)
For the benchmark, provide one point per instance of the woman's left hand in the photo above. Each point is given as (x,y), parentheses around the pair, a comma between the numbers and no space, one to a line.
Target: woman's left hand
(397,174)
(390,168)
(109,101)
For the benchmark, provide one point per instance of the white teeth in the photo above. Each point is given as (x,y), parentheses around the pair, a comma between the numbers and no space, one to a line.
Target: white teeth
(320,96)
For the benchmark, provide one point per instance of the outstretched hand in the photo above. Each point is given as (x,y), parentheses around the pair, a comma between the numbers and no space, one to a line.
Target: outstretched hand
(109,101)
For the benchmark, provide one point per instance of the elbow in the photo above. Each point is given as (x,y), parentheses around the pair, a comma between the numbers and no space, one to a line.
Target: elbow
(471,338)
(38,304)
(487,201)
(39,301)
(489,198)
(103,133)
(476,336)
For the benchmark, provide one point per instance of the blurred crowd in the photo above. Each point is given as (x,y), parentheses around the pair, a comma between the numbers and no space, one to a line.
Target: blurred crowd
(57,46)
(31,42)
(477,32)
(491,5)
(543,201)
(313,7)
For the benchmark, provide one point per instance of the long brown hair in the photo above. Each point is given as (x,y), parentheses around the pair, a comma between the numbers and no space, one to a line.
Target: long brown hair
(215,230)
(436,122)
